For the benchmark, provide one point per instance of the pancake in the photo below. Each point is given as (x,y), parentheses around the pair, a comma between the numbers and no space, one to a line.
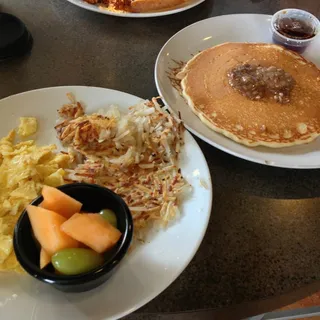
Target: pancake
(153,5)
(207,90)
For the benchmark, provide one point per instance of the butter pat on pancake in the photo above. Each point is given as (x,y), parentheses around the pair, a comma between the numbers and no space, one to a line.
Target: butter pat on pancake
(206,88)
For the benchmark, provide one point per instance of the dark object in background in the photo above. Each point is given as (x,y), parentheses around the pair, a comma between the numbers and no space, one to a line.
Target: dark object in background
(15,39)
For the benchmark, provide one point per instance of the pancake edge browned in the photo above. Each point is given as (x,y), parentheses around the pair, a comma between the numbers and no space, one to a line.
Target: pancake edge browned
(209,123)
(154,5)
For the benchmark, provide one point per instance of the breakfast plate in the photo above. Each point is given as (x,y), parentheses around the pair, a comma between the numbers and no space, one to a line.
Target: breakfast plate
(101,9)
(150,267)
(210,32)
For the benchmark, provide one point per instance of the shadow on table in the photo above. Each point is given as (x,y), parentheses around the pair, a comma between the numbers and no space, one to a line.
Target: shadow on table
(233,313)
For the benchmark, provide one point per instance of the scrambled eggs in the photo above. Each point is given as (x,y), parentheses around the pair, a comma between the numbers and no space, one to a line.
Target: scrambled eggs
(28,126)
(24,169)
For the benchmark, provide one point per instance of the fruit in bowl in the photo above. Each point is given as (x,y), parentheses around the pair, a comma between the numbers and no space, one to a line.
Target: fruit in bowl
(73,236)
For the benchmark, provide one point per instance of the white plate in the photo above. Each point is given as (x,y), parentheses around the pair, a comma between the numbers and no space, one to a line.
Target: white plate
(146,271)
(210,32)
(97,8)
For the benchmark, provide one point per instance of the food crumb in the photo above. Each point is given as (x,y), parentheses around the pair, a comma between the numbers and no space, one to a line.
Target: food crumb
(204,184)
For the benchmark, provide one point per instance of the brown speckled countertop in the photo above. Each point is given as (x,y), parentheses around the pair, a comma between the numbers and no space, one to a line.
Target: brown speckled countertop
(264,234)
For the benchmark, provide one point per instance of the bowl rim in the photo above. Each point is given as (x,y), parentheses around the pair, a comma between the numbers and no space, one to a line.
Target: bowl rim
(294,41)
(45,276)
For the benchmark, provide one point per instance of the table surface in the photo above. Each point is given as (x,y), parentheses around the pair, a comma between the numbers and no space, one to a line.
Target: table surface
(263,239)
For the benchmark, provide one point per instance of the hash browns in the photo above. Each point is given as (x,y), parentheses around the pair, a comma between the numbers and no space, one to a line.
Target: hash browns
(135,154)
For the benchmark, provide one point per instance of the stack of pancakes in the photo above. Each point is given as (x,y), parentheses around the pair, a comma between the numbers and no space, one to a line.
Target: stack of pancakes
(205,86)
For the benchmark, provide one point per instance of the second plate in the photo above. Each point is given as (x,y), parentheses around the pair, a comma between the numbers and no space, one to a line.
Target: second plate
(210,32)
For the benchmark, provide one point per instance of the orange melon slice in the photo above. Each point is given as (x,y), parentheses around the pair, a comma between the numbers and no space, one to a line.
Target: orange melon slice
(46,227)
(45,258)
(61,203)
(92,230)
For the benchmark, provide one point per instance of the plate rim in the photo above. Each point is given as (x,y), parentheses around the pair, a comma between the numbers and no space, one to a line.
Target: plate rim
(94,8)
(206,170)
(194,131)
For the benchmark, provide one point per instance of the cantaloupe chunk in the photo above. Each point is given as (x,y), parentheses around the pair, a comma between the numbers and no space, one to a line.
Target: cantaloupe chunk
(92,230)
(46,228)
(59,202)
(45,258)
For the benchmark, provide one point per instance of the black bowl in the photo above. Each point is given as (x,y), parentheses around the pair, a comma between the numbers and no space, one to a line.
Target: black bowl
(94,198)
(15,39)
